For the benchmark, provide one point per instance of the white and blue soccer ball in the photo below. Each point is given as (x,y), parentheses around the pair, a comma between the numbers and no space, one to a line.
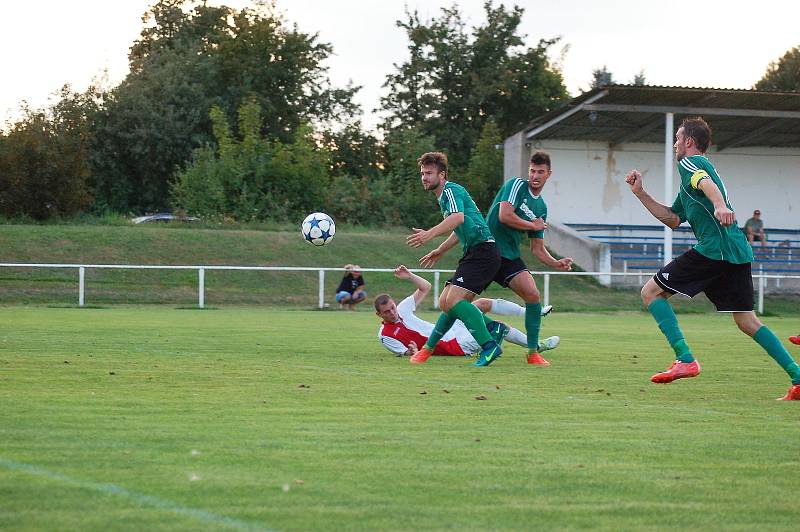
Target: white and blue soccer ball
(318,228)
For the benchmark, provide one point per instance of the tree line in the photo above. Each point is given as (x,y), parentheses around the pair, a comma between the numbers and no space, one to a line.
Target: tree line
(231,114)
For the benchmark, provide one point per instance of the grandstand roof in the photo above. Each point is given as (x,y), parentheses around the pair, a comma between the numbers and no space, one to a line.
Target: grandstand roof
(631,113)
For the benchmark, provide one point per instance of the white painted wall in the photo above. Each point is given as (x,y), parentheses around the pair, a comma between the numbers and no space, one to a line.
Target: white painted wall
(588,181)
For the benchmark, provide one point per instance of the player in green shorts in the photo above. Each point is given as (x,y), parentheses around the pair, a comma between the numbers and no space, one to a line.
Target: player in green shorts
(464,223)
(519,208)
(718,265)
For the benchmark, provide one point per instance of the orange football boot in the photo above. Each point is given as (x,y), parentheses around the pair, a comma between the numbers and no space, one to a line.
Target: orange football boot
(421,356)
(792,395)
(537,360)
(678,370)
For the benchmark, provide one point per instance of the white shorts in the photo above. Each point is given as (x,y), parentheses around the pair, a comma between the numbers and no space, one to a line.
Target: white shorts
(464,338)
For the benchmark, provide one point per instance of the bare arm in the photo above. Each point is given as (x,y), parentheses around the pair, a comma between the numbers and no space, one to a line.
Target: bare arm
(508,217)
(544,256)
(721,210)
(422,285)
(660,211)
(445,246)
(431,258)
(421,236)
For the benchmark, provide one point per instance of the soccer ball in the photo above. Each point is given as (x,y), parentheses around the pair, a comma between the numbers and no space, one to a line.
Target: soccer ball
(318,228)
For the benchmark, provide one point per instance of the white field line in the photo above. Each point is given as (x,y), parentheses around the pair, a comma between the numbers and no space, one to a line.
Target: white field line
(145,500)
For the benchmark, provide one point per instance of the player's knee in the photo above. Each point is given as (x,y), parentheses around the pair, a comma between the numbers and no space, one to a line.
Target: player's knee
(747,322)
(483,304)
(650,291)
(645,295)
(533,297)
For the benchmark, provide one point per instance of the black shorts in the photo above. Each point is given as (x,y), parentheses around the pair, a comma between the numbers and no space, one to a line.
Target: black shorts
(728,286)
(509,268)
(477,268)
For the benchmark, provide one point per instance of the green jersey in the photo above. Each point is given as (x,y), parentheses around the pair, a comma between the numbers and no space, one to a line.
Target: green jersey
(473,231)
(527,206)
(713,240)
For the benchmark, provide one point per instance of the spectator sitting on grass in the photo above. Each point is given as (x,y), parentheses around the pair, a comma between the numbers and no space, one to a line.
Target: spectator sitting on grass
(351,290)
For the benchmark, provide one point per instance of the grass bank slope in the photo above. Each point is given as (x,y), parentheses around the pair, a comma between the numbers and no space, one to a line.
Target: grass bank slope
(182,245)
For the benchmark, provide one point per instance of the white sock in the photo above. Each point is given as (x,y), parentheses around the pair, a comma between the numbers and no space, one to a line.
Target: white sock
(506,308)
(515,336)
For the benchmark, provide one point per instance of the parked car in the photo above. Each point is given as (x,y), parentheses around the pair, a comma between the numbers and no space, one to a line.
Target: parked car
(163,217)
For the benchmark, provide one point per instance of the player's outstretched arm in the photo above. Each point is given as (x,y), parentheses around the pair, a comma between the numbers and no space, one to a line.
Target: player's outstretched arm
(661,212)
(422,285)
(421,236)
(429,260)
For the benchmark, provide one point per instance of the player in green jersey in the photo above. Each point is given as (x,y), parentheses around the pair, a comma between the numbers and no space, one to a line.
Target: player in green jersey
(719,265)
(519,208)
(464,223)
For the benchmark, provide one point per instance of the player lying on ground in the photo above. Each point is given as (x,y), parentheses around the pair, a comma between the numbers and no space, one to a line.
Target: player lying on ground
(402,332)
(718,265)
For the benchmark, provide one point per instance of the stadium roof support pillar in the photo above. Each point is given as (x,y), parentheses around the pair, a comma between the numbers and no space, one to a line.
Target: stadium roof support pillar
(668,169)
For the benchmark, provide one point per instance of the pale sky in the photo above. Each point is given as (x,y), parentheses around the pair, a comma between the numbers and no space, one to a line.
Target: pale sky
(718,43)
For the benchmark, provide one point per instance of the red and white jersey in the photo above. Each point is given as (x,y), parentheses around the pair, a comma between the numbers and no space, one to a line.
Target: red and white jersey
(397,336)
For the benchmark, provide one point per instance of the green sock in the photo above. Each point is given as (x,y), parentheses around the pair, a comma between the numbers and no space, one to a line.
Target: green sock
(665,318)
(533,322)
(473,319)
(767,339)
(443,325)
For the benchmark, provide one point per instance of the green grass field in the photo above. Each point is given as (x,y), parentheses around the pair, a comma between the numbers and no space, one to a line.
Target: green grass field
(152,418)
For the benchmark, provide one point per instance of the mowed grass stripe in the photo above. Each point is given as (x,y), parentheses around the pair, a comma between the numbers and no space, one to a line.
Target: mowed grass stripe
(142,499)
(300,420)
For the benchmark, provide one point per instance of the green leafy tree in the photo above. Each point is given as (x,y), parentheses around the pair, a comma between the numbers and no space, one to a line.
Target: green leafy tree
(253,177)
(44,160)
(457,78)
(190,57)
(354,152)
(783,74)
(639,79)
(485,173)
(414,206)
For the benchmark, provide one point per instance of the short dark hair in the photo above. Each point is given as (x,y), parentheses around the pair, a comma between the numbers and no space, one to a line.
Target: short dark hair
(541,157)
(697,129)
(434,157)
(381,299)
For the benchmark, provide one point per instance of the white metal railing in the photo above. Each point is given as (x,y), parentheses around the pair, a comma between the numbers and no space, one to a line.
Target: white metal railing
(201,270)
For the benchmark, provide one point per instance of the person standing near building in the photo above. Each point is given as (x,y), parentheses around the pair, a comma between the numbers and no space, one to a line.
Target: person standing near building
(718,265)
(519,208)
(464,223)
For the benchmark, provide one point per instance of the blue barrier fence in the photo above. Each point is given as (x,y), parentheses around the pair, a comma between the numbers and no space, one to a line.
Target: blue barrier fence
(641,246)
